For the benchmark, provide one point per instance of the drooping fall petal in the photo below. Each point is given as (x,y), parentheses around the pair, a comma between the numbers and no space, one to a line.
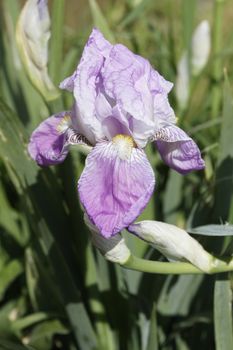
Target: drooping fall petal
(178,150)
(115,186)
(50,141)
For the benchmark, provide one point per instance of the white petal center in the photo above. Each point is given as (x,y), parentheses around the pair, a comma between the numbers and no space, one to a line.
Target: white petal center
(123,145)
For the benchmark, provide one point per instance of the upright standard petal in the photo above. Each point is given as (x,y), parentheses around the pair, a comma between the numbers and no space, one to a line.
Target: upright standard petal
(116,184)
(178,150)
(125,78)
(116,92)
(139,91)
(85,85)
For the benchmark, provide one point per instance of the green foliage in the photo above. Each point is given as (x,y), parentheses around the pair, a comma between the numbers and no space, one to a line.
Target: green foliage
(223,313)
(56,290)
(213,230)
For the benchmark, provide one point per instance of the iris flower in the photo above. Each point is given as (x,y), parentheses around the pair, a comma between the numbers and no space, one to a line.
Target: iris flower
(120,104)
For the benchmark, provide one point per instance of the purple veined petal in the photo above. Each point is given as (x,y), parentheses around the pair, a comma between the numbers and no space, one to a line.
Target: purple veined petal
(100,43)
(125,79)
(68,83)
(141,132)
(112,127)
(163,112)
(117,123)
(132,81)
(85,95)
(158,84)
(114,120)
(139,91)
(96,44)
(115,189)
(178,150)
(84,84)
(102,106)
(47,144)
(85,126)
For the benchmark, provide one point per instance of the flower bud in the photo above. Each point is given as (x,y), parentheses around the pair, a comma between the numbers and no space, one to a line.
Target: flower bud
(32,35)
(200,50)
(173,242)
(201,43)
(182,82)
(113,249)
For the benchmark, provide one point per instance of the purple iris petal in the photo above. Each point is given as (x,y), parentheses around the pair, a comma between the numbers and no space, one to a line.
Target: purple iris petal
(139,90)
(163,109)
(113,118)
(114,191)
(84,84)
(126,80)
(116,124)
(98,46)
(178,150)
(47,144)
(112,83)
(158,84)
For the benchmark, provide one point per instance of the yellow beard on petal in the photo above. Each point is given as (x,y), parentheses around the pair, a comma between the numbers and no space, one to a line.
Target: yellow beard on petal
(124,145)
(64,124)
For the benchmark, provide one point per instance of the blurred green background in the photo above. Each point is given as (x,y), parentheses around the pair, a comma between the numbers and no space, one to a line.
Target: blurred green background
(56,290)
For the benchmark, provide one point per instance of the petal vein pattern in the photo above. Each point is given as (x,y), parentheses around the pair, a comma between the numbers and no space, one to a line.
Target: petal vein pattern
(47,144)
(114,191)
(178,150)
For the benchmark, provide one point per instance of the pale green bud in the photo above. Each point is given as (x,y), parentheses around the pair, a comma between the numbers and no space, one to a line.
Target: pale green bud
(201,43)
(32,36)
(173,242)
(200,50)
(182,82)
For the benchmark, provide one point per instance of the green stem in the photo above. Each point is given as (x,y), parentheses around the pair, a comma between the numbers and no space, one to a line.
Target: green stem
(177,268)
(217,62)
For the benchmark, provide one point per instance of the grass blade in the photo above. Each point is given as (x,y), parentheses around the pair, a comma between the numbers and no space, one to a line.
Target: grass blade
(222,314)
(224,178)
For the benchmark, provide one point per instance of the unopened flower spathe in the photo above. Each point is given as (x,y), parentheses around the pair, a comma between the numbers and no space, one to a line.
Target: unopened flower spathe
(32,35)
(173,242)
